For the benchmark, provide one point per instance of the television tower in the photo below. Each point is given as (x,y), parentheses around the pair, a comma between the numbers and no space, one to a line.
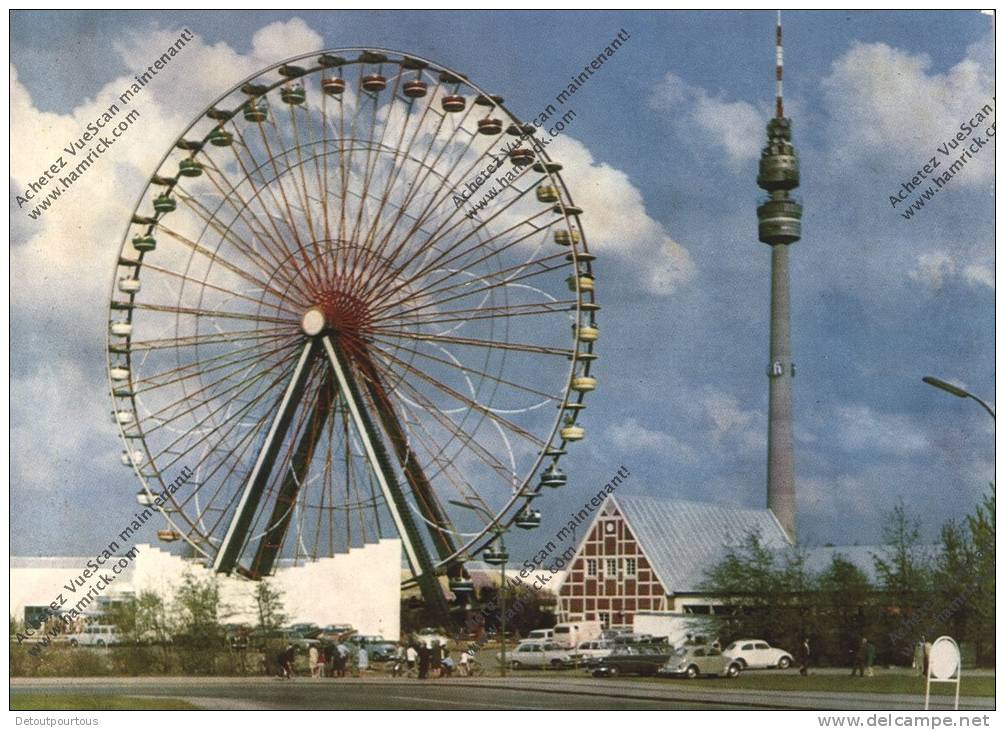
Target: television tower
(778,225)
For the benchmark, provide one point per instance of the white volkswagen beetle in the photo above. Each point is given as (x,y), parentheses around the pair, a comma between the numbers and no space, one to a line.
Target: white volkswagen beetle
(756,654)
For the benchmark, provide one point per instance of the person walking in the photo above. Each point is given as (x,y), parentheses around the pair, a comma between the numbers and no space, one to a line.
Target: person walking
(804,656)
(362,659)
(859,658)
(286,660)
(870,658)
(341,658)
(312,661)
(424,655)
(462,661)
(411,656)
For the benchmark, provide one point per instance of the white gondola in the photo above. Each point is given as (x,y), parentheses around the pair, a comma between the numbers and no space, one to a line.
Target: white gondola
(129,460)
(121,329)
(144,499)
(584,383)
(129,285)
(119,373)
(124,417)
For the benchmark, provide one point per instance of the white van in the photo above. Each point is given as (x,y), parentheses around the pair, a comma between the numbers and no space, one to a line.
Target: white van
(572,633)
(540,635)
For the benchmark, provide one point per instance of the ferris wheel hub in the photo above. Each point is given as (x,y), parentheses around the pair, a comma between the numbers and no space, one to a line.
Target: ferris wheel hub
(313,321)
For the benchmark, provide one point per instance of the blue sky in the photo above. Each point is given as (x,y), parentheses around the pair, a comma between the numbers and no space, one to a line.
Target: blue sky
(674,123)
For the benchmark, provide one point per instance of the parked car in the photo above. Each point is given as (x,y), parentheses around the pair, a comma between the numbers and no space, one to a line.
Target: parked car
(756,654)
(95,635)
(588,653)
(305,631)
(639,658)
(540,635)
(694,661)
(429,636)
(572,633)
(541,654)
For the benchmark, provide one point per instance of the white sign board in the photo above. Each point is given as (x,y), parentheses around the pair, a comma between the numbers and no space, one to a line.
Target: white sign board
(944,665)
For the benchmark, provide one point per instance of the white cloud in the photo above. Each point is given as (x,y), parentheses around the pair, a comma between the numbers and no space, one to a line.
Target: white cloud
(633,437)
(935,268)
(735,126)
(860,428)
(616,221)
(728,423)
(885,109)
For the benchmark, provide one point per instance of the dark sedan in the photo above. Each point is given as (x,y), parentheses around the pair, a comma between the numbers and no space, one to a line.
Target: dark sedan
(642,659)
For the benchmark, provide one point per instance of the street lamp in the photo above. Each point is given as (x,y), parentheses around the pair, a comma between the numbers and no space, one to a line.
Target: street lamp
(495,555)
(957,391)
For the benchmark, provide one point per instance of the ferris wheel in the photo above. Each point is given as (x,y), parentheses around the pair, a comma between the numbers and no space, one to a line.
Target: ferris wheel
(312,316)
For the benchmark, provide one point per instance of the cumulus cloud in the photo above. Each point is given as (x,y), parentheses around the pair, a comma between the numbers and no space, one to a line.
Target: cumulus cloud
(935,268)
(63,260)
(860,428)
(631,436)
(729,423)
(617,223)
(885,107)
(736,127)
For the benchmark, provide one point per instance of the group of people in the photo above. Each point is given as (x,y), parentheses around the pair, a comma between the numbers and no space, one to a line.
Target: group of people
(431,659)
(323,660)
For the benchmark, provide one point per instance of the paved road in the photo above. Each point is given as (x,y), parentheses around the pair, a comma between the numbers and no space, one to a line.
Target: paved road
(542,693)
(403,694)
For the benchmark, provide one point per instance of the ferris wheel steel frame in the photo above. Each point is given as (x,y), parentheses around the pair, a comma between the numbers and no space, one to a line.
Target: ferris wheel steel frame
(350,371)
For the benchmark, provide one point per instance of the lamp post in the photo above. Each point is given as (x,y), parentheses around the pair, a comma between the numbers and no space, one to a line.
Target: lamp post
(495,555)
(957,391)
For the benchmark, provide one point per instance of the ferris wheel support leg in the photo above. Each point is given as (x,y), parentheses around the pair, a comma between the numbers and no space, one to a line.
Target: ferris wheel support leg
(233,542)
(427,502)
(282,512)
(415,550)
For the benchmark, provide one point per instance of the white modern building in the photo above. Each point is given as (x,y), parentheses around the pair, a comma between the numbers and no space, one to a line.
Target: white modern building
(361,587)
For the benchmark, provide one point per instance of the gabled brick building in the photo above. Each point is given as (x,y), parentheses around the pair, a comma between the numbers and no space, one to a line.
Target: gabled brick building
(645,554)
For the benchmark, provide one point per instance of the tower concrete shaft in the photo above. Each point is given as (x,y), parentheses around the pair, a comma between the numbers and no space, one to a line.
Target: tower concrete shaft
(781,456)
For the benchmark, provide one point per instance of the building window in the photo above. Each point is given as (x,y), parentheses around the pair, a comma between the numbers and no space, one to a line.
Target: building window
(630,569)
(591,567)
(605,619)
(612,567)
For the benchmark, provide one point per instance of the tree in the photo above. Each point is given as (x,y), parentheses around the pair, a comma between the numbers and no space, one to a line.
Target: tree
(198,610)
(981,558)
(844,600)
(751,579)
(269,602)
(905,575)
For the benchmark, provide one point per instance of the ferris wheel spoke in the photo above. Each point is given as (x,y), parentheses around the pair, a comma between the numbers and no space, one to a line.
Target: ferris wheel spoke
(465,439)
(209,389)
(199,368)
(397,166)
(468,370)
(420,220)
(226,230)
(467,401)
(243,210)
(217,313)
(447,258)
(243,335)
(214,287)
(211,256)
(475,342)
(237,389)
(282,252)
(466,290)
(502,311)
(418,185)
